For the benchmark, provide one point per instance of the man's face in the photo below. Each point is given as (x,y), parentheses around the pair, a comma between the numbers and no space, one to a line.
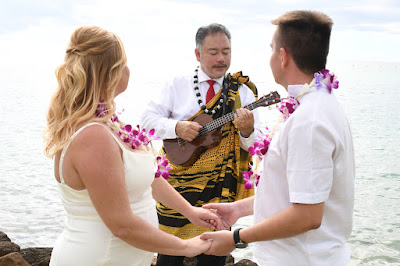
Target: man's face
(215,55)
(275,60)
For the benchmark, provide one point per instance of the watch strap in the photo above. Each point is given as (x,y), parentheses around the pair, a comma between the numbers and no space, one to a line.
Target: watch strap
(236,236)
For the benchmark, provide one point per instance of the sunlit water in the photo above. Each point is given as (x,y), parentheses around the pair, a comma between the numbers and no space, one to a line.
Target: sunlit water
(32,215)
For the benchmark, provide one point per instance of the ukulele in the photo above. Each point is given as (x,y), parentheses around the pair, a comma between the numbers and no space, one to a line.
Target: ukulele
(186,153)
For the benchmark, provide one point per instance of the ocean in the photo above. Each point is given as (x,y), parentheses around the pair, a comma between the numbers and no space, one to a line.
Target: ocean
(31,213)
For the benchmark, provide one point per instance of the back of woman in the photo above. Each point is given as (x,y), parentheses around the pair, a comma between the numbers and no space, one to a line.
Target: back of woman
(106,170)
(94,72)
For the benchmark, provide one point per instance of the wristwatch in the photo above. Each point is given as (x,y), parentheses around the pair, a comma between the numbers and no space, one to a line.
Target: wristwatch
(238,243)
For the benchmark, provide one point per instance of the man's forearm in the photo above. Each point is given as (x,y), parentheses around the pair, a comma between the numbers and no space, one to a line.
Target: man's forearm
(245,206)
(297,219)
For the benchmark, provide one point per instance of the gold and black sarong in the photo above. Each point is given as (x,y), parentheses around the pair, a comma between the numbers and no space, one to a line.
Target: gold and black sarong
(217,175)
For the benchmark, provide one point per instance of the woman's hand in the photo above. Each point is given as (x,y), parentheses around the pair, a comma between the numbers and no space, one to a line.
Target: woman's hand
(206,218)
(195,246)
(226,211)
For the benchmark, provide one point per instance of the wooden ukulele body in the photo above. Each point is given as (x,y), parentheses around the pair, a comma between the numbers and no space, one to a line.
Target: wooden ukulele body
(187,153)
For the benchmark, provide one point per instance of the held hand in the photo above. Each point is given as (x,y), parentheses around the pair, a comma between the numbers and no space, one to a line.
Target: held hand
(227,212)
(206,218)
(196,246)
(244,121)
(187,130)
(222,242)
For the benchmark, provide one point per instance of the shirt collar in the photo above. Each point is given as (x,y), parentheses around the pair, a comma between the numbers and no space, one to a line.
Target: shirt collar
(203,77)
(294,90)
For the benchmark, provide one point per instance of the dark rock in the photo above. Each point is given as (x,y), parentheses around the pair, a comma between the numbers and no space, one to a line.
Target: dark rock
(7,247)
(13,259)
(193,261)
(229,259)
(37,256)
(245,262)
(4,237)
(190,261)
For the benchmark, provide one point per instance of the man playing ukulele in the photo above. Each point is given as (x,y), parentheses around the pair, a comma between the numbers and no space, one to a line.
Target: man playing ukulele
(216,174)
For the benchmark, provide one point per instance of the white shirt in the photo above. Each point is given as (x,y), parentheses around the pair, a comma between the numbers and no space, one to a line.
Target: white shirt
(309,161)
(178,102)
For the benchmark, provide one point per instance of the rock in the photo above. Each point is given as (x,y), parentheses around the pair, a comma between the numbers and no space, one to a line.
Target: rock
(7,247)
(193,261)
(245,262)
(4,237)
(13,259)
(229,259)
(37,256)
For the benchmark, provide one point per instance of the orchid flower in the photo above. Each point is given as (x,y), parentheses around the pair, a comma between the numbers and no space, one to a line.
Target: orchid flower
(258,150)
(135,137)
(250,178)
(163,167)
(260,147)
(288,106)
(324,77)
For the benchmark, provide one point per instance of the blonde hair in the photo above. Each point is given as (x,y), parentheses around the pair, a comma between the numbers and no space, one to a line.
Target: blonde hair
(92,69)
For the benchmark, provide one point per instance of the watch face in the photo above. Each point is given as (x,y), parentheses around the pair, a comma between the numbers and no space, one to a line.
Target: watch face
(240,244)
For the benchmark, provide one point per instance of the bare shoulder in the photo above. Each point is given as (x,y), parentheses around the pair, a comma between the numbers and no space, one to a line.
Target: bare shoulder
(94,135)
(93,142)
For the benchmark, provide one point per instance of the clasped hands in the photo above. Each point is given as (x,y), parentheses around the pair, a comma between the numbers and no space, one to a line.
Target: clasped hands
(219,243)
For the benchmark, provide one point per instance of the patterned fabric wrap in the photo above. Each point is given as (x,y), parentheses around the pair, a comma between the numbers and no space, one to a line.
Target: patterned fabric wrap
(217,175)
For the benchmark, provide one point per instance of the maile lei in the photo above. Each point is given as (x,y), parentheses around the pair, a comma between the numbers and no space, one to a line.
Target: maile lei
(322,79)
(136,138)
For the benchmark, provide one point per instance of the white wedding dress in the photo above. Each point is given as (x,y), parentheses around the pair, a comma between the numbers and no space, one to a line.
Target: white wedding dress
(85,239)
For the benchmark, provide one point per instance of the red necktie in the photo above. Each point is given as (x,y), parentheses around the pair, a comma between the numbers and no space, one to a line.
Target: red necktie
(210,92)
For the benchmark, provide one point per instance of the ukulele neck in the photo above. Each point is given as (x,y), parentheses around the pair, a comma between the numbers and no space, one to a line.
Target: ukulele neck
(223,120)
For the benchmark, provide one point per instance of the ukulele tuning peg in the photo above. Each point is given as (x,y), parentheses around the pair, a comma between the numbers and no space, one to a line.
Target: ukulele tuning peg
(269,107)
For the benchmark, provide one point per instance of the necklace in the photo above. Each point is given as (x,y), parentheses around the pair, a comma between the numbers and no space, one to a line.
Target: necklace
(196,89)
(322,79)
(136,137)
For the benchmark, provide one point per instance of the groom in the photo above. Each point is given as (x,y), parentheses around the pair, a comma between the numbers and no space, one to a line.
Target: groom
(304,202)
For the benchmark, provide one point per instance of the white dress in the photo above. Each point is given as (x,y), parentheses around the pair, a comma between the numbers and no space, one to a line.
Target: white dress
(86,240)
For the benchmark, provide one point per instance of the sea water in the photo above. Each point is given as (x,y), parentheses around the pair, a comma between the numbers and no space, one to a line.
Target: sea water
(32,215)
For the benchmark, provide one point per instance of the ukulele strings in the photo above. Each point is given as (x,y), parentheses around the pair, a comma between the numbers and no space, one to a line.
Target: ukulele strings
(223,120)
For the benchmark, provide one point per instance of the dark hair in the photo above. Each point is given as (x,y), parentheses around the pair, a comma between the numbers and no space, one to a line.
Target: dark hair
(211,29)
(305,35)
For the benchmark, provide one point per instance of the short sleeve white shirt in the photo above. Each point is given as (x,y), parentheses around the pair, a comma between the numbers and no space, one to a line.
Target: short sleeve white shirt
(310,160)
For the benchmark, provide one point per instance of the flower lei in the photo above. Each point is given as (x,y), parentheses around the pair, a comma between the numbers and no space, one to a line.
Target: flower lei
(322,79)
(136,138)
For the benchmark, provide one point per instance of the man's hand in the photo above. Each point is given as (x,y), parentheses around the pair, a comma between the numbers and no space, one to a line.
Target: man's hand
(244,121)
(222,242)
(206,218)
(187,130)
(227,211)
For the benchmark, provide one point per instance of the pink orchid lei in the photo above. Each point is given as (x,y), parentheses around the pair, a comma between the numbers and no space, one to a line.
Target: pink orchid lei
(136,138)
(258,151)
(287,107)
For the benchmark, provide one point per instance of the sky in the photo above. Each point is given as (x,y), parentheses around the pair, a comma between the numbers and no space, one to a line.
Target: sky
(159,35)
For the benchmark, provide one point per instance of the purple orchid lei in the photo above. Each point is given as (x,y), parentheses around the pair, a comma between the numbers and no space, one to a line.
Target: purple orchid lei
(287,107)
(136,138)
(325,78)
(258,150)
(163,167)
